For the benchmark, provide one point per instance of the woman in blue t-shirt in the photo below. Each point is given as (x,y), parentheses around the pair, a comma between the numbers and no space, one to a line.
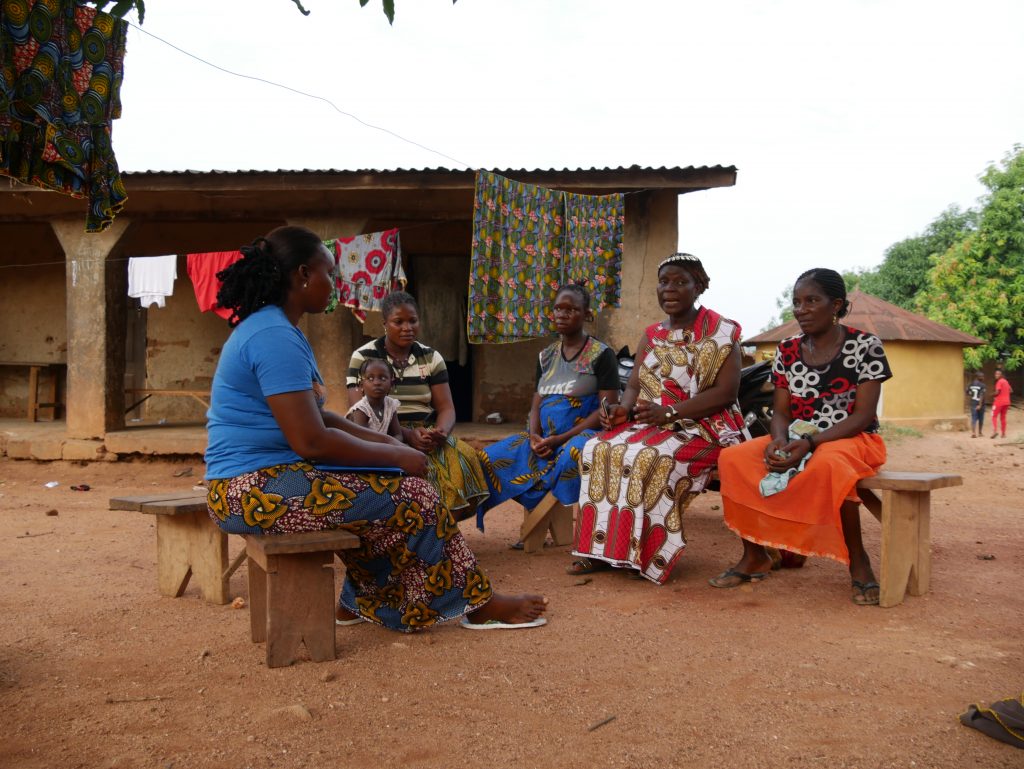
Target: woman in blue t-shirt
(272,447)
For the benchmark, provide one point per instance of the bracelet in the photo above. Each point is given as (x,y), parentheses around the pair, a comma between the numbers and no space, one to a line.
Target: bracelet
(810,441)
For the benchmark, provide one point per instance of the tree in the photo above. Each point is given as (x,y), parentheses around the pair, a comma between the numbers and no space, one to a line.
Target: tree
(977,284)
(904,270)
(122,7)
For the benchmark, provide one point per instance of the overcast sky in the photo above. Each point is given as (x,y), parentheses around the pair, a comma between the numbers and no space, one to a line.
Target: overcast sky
(852,123)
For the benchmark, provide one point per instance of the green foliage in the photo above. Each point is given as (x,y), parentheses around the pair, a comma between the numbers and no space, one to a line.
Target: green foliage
(894,433)
(122,7)
(904,270)
(389,7)
(977,284)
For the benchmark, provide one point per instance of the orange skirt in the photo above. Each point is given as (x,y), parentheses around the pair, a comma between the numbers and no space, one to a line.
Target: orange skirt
(804,518)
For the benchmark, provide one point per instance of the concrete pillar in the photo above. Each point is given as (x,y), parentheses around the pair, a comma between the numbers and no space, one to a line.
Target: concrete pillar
(651,233)
(97,290)
(333,337)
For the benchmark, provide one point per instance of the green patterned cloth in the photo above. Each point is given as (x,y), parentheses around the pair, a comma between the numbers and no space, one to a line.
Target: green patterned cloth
(61,66)
(527,242)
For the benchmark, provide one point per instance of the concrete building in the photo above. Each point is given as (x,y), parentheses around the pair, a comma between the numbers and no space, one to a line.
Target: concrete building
(927,387)
(63,293)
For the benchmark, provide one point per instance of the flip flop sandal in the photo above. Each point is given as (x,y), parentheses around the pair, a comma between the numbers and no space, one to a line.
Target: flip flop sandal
(732,578)
(586,566)
(861,597)
(493,624)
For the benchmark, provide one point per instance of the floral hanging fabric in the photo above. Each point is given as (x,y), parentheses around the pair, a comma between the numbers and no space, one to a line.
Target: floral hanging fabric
(527,241)
(369,268)
(61,67)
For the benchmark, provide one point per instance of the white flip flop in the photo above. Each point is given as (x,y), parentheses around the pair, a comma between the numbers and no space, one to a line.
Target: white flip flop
(348,622)
(493,624)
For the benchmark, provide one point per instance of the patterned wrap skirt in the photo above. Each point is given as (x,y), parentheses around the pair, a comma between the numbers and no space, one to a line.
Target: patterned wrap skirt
(637,481)
(513,471)
(413,568)
(804,517)
(454,470)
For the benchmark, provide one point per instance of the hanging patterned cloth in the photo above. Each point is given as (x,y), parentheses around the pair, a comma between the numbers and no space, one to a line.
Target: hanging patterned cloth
(61,66)
(529,240)
(369,268)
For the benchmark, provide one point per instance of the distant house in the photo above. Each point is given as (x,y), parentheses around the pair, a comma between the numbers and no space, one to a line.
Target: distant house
(63,293)
(926,357)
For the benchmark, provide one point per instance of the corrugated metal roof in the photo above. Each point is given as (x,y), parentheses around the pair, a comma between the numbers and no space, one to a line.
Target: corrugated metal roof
(883,319)
(437,170)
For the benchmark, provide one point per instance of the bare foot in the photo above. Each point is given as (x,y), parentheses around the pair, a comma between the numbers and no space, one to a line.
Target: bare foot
(510,609)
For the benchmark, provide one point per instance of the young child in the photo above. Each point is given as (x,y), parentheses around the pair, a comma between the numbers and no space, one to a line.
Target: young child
(976,392)
(376,409)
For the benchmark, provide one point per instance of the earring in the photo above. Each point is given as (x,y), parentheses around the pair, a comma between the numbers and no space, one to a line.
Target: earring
(835,319)
(306,285)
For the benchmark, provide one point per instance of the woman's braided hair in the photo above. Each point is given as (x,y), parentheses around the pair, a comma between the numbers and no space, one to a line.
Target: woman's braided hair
(832,284)
(263,275)
(580,290)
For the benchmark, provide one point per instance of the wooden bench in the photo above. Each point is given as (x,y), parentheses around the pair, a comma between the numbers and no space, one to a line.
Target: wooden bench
(291,593)
(35,405)
(188,544)
(549,515)
(291,584)
(904,510)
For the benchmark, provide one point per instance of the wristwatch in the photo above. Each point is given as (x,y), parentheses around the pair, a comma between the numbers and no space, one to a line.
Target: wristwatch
(671,415)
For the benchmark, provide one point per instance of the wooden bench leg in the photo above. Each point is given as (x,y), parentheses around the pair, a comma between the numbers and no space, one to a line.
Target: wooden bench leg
(535,524)
(561,524)
(257,601)
(33,393)
(299,607)
(906,552)
(191,545)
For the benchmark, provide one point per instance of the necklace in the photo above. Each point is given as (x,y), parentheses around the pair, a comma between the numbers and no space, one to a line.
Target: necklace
(817,356)
(565,354)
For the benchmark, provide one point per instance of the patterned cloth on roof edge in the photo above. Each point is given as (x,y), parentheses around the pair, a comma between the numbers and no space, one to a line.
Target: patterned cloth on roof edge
(369,268)
(61,66)
(529,240)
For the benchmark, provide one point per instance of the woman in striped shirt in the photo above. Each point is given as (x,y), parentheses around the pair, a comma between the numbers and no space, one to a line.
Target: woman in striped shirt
(427,413)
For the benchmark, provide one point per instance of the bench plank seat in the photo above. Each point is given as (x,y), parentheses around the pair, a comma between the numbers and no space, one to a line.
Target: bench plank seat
(903,509)
(188,544)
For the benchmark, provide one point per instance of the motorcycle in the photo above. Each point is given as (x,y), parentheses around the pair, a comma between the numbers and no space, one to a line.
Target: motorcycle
(756,393)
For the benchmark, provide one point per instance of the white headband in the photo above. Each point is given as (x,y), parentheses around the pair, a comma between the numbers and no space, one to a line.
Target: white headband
(680,257)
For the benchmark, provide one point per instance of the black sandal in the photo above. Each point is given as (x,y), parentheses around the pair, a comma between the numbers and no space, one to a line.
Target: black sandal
(860,595)
(732,578)
(586,566)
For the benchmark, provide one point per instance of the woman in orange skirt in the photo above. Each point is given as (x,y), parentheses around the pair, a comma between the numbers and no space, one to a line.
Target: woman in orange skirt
(796,489)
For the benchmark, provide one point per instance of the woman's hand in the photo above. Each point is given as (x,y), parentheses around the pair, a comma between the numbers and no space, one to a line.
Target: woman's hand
(411,461)
(782,454)
(419,439)
(650,413)
(616,415)
(438,435)
(545,447)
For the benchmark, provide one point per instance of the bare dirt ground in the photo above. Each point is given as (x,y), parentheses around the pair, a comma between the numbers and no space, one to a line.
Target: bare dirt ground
(98,670)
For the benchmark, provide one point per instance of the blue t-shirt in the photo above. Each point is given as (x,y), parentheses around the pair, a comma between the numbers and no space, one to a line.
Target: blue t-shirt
(265,355)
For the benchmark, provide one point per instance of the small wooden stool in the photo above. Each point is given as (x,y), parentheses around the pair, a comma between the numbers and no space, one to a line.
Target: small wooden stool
(188,544)
(291,592)
(549,514)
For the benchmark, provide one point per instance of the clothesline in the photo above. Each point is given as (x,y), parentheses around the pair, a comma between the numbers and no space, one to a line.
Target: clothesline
(403,228)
